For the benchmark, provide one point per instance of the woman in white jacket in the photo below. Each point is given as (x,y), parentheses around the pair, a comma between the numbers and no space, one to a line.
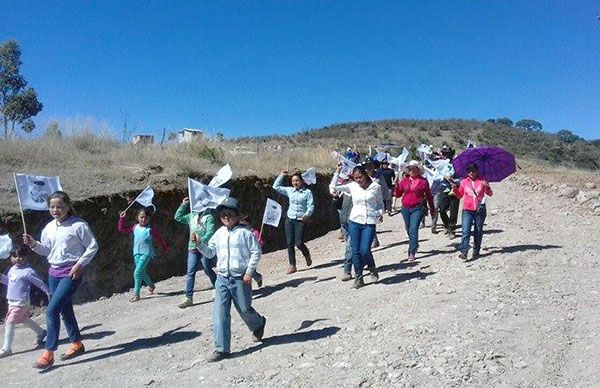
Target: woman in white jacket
(367,210)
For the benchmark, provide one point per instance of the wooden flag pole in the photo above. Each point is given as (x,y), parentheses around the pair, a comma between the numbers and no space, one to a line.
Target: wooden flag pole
(20,206)
(261,229)
(139,195)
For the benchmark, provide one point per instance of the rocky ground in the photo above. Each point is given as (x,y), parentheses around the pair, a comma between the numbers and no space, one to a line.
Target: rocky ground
(524,314)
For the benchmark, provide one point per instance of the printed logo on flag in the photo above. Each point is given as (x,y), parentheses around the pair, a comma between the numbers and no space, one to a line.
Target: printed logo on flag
(272,214)
(33,191)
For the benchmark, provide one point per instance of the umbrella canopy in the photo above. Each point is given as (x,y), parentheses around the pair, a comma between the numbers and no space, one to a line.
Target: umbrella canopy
(493,163)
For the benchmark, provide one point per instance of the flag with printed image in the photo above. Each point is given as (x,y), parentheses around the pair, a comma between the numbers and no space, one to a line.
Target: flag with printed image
(34,190)
(204,197)
(347,165)
(310,176)
(5,247)
(272,214)
(222,177)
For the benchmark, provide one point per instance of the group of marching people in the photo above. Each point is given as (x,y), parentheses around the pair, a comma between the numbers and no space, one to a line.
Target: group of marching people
(229,254)
(366,194)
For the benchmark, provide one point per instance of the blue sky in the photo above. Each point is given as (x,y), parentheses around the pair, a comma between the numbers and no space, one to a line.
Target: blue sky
(272,67)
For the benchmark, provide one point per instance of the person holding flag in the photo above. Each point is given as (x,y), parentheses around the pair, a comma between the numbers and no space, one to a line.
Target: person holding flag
(415,192)
(300,209)
(144,238)
(202,225)
(367,210)
(69,245)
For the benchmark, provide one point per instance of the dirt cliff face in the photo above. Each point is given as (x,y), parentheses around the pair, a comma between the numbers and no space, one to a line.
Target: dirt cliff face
(111,271)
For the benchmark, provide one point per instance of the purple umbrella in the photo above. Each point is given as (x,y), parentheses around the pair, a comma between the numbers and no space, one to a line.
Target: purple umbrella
(493,163)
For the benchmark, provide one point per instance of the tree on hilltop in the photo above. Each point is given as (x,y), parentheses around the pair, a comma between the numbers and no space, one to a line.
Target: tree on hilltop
(529,125)
(504,121)
(17,103)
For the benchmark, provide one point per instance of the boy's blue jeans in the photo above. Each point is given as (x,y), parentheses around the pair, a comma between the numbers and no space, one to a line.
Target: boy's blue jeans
(412,219)
(62,290)
(192,267)
(361,238)
(232,289)
(469,218)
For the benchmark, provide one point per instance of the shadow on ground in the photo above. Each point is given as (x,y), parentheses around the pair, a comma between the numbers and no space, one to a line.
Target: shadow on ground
(169,337)
(303,336)
(269,290)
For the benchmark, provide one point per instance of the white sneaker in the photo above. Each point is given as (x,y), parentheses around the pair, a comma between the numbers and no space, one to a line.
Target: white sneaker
(5,353)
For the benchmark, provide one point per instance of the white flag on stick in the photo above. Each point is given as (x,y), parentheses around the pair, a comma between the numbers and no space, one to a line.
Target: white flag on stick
(33,190)
(145,198)
(347,165)
(222,177)
(272,213)
(5,247)
(310,176)
(204,197)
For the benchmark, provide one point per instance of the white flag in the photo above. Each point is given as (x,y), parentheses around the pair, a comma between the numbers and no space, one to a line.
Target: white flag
(347,165)
(272,213)
(204,197)
(5,247)
(310,176)
(400,159)
(423,150)
(222,176)
(33,191)
(145,198)
(430,175)
(381,156)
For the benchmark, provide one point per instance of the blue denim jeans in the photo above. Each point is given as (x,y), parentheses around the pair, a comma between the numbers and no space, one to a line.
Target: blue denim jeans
(361,238)
(412,219)
(192,267)
(469,218)
(232,289)
(62,290)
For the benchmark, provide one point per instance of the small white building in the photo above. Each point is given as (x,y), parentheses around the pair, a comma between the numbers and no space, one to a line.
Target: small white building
(143,139)
(187,135)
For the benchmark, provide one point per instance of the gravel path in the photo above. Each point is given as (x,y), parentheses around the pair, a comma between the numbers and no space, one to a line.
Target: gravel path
(524,314)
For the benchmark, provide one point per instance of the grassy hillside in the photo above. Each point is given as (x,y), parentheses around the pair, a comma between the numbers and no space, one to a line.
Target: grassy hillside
(553,148)
(91,164)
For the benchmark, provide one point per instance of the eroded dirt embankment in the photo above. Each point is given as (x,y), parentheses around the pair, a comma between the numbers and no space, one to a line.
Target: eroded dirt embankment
(112,268)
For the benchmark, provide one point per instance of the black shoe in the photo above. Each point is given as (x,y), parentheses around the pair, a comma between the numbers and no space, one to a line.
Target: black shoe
(257,335)
(308,260)
(358,282)
(475,256)
(374,274)
(217,356)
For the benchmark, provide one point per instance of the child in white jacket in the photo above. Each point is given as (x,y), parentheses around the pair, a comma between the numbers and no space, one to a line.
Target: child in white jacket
(238,253)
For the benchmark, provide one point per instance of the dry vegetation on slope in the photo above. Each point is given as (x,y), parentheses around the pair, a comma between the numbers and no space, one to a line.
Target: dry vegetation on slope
(91,164)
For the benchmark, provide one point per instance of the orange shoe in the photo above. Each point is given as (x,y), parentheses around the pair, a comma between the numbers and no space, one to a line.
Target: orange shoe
(75,350)
(45,361)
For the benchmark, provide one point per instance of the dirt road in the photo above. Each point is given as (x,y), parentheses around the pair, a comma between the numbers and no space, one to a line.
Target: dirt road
(524,314)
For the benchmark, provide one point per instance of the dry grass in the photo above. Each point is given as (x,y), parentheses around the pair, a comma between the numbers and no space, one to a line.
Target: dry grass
(548,173)
(90,162)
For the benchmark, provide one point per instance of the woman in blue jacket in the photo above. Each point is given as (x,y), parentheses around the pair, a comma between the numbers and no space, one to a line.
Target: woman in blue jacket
(300,209)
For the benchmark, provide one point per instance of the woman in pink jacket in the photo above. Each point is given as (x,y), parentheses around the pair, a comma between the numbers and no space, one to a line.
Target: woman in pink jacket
(473,190)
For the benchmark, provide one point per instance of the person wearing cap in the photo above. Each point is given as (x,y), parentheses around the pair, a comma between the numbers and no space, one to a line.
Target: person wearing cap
(414,190)
(367,210)
(301,208)
(472,190)
(238,253)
